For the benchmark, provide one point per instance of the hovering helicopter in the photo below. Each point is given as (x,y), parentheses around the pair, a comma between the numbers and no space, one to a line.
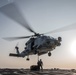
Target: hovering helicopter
(38,43)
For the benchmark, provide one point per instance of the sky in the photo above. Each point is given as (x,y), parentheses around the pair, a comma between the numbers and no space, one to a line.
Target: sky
(43,16)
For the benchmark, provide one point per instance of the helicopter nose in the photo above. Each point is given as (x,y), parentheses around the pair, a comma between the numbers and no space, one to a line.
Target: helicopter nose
(57,43)
(59,39)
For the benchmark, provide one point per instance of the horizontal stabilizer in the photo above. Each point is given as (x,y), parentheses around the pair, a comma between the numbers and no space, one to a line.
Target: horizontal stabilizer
(15,55)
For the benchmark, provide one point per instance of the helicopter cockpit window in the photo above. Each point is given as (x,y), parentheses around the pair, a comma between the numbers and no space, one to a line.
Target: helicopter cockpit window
(48,37)
(51,38)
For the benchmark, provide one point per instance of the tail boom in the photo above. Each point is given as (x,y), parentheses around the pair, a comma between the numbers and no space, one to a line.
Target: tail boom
(14,55)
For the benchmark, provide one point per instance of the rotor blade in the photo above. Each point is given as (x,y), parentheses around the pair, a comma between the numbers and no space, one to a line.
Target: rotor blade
(12,11)
(65,28)
(16,38)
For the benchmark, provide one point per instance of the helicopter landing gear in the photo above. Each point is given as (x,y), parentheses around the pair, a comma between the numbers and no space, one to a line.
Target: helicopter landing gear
(49,54)
(27,58)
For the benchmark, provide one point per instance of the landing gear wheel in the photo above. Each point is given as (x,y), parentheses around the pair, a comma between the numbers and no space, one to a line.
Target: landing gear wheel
(49,54)
(27,58)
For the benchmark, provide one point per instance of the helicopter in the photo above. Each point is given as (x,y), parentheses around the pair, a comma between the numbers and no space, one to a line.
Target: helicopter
(38,43)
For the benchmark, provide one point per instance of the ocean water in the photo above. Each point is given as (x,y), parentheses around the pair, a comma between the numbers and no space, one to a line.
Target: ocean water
(28,72)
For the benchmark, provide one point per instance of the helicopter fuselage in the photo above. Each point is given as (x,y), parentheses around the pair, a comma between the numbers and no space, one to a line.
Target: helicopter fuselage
(40,45)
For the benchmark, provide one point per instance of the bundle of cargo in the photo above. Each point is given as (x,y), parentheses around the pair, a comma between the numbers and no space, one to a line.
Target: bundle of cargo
(34,68)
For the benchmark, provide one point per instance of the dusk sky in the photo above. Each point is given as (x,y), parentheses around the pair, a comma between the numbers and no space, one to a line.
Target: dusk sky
(43,16)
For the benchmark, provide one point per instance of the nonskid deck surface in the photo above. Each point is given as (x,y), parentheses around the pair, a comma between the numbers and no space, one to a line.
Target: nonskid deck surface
(28,72)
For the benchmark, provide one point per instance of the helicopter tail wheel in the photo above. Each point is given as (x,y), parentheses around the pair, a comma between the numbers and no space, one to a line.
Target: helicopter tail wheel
(49,54)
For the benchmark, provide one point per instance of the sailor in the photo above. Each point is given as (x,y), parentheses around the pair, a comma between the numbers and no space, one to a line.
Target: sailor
(40,64)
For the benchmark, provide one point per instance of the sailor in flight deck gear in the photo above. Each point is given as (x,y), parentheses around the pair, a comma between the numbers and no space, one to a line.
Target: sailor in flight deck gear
(40,64)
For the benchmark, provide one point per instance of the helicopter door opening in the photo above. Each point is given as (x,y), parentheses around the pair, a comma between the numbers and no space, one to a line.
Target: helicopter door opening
(32,44)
